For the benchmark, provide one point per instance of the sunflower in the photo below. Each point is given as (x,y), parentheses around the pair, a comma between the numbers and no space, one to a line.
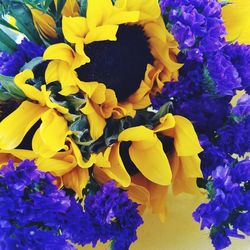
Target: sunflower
(84,112)
(124,46)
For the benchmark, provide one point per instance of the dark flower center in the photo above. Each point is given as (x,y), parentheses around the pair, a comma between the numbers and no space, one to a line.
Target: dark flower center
(120,64)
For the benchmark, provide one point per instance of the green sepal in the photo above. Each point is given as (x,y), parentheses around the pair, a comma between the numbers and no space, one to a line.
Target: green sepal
(7,44)
(164,109)
(4,96)
(80,129)
(75,102)
(8,84)
(48,3)
(24,21)
(83,7)
(32,64)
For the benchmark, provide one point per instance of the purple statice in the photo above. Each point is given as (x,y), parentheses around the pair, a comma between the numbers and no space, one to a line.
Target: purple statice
(211,156)
(224,74)
(239,56)
(10,65)
(234,138)
(33,212)
(113,216)
(242,108)
(228,210)
(197,25)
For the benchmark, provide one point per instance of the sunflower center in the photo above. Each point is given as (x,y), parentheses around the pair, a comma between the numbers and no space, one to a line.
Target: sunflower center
(120,64)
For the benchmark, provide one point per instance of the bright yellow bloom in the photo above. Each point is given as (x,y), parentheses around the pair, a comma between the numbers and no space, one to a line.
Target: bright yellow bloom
(101,24)
(237,21)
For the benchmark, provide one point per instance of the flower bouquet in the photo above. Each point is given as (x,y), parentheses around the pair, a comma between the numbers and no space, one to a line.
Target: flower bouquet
(107,106)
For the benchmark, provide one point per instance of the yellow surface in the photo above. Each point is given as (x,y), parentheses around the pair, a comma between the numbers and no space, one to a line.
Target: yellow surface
(179,232)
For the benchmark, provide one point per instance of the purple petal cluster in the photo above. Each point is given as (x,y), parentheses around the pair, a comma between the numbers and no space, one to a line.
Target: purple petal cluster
(197,25)
(240,58)
(234,137)
(33,212)
(228,210)
(113,216)
(10,65)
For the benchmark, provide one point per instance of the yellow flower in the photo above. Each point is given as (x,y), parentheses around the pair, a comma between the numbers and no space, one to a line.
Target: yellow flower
(237,21)
(50,137)
(104,23)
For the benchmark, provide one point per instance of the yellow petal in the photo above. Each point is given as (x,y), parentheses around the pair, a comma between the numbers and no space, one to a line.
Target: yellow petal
(76,179)
(53,132)
(123,109)
(71,8)
(40,147)
(117,170)
(94,90)
(57,167)
(21,154)
(138,134)
(60,51)
(158,196)
(97,11)
(102,159)
(237,21)
(30,91)
(96,122)
(186,170)
(140,195)
(152,162)
(166,122)
(123,17)
(74,29)
(148,9)
(110,103)
(147,154)
(102,33)
(79,157)
(15,126)
(186,141)
(51,73)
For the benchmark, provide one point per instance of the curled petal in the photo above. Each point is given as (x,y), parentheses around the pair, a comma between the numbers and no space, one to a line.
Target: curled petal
(15,126)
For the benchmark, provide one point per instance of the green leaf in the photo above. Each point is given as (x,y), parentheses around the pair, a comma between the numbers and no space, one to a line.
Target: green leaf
(6,43)
(24,21)
(75,102)
(8,83)
(32,64)
(47,3)
(4,96)
(164,109)
(7,25)
(83,7)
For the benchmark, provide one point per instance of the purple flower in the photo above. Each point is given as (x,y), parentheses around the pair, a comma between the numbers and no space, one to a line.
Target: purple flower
(10,65)
(229,208)
(113,216)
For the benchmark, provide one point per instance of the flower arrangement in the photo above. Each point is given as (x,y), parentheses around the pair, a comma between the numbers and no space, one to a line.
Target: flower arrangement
(107,106)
